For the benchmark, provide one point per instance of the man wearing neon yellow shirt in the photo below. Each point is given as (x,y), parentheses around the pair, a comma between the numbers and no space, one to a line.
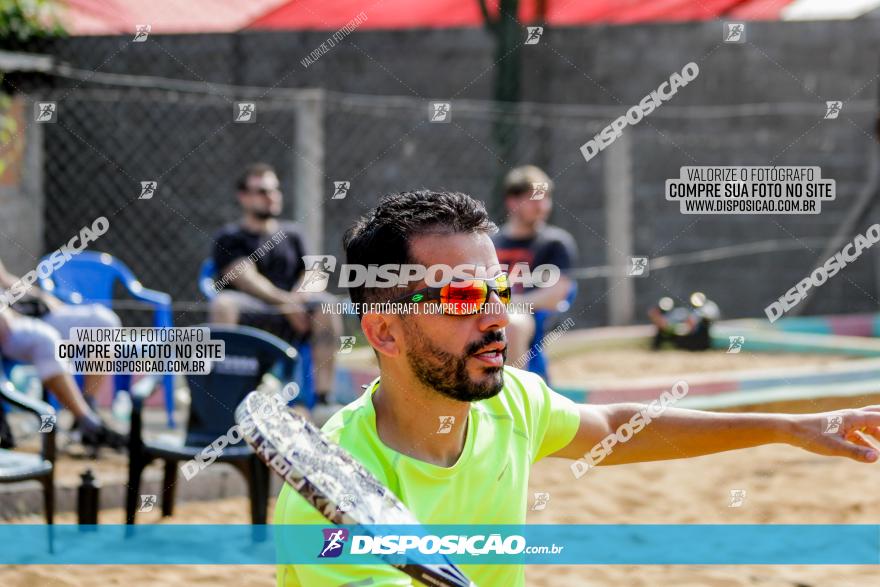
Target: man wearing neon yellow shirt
(453,433)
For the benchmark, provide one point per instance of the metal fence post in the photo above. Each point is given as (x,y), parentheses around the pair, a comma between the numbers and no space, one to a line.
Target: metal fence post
(21,194)
(618,186)
(308,167)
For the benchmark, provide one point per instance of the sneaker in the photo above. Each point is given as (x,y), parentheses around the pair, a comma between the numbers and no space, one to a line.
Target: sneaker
(103,435)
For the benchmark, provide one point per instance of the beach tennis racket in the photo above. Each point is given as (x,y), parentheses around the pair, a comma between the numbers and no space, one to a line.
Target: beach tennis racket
(324,473)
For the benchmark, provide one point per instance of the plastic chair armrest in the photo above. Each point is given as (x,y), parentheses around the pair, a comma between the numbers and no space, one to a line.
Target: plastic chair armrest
(15,397)
(142,390)
(151,296)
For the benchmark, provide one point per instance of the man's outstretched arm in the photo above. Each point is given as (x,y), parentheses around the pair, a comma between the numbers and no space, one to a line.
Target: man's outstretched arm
(628,433)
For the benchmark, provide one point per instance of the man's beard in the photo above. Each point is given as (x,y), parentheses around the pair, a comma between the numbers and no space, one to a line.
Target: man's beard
(447,374)
(265,214)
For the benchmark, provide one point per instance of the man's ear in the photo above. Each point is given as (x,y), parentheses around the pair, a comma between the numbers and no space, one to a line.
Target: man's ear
(381,333)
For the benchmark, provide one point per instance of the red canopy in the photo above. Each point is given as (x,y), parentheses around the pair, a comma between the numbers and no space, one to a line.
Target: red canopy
(397,14)
(759,10)
(102,17)
(109,17)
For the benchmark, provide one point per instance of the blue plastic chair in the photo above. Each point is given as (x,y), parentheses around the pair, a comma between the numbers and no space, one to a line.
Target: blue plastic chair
(538,362)
(17,466)
(90,277)
(250,354)
(9,366)
(303,375)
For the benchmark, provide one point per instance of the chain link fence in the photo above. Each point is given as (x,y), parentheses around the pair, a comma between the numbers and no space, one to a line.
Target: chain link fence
(115,131)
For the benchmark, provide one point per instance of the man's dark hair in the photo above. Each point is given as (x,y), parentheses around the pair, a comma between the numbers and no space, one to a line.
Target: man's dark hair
(382,235)
(250,171)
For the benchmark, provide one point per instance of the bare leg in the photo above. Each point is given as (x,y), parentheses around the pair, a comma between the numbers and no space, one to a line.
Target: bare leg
(33,341)
(65,389)
(65,318)
(92,383)
(94,431)
(224,310)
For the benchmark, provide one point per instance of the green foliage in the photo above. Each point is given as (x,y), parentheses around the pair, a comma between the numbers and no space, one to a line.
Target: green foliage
(25,20)
(8,129)
(21,22)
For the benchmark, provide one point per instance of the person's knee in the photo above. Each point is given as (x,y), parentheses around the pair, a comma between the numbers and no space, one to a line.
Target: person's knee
(105,317)
(326,322)
(224,309)
(324,332)
(322,316)
(49,367)
(42,355)
(28,336)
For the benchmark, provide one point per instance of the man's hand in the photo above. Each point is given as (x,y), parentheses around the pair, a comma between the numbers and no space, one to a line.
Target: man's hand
(51,301)
(841,433)
(294,309)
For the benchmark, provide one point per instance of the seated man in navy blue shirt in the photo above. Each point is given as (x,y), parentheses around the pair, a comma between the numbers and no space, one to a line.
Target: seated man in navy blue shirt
(527,238)
(260,266)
